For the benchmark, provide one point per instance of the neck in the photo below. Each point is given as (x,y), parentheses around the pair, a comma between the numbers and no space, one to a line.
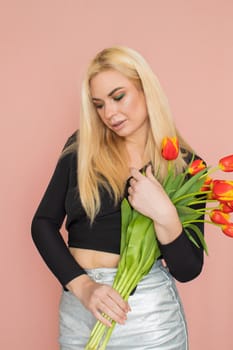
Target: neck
(137,141)
(136,153)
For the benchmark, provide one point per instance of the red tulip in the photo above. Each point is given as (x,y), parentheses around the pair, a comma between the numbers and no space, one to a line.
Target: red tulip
(170,148)
(226,207)
(206,185)
(196,166)
(226,163)
(228,229)
(219,217)
(230,205)
(222,190)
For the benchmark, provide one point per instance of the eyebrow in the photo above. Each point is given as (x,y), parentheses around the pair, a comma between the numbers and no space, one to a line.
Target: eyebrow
(110,94)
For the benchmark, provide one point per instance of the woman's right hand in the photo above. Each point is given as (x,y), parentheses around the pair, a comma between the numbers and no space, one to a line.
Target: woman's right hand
(99,299)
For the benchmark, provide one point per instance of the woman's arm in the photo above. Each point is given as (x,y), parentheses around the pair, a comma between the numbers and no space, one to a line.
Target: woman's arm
(47,222)
(182,257)
(97,298)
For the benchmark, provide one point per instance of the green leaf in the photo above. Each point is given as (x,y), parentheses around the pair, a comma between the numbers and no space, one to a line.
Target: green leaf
(195,182)
(187,214)
(189,198)
(126,216)
(170,177)
(191,237)
(199,234)
(174,183)
(137,229)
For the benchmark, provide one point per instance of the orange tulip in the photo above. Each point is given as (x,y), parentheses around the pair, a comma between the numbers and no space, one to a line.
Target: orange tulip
(196,166)
(228,229)
(226,163)
(207,183)
(170,148)
(230,205)
(226,207)
(219,217)
(222,190)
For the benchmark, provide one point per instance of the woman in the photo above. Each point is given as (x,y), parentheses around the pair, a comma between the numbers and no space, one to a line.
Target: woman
(124,118)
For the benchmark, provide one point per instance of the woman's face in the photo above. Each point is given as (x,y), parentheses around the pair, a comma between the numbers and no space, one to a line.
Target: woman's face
(120,104)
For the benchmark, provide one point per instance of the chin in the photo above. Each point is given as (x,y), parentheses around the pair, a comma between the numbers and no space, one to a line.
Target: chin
(121,133)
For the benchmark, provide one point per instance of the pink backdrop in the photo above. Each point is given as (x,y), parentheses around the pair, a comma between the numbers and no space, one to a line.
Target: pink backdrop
(45,46)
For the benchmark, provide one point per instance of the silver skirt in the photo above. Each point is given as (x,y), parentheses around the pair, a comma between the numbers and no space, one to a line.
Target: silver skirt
(156,321)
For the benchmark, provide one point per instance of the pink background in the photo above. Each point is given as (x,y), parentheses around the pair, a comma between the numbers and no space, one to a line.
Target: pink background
(45,46)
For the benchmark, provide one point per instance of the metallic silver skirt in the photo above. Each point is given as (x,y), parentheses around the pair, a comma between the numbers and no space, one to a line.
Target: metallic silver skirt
(156,321)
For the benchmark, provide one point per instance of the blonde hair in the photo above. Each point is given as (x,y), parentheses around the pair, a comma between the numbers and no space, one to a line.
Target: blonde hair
(101,166)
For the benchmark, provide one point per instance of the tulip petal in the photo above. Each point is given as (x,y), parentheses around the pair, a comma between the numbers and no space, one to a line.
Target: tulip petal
(225,207)
(226,163)
(196,166)
(219,217)
(228,230)
(222,190)
(170,148)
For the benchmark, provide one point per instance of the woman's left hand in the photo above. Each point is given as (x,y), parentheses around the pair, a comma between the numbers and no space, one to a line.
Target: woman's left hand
(148,197)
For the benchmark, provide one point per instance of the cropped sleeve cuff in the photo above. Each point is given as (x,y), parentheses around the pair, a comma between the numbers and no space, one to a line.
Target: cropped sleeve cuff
(184,260)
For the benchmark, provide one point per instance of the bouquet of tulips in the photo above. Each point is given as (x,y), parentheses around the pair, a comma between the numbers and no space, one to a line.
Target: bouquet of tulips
(200,188)
(139,248)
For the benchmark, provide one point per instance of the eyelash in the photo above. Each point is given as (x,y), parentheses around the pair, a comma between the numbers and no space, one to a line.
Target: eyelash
(116,98)
(119,97)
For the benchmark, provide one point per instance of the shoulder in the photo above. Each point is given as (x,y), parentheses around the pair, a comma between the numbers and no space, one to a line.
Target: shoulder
(189,156)
(68,155)
(71,141)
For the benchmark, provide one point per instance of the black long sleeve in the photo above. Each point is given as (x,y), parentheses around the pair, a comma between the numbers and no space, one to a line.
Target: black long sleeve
(184,260)
(47,222)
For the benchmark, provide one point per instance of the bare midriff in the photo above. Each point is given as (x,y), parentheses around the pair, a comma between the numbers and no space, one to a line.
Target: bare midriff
(91,259)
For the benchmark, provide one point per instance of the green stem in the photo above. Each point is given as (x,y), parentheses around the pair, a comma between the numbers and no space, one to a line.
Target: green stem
(119,277)
(189,195)
(99,330)
(107,337)
(202,201)
(124,281)
(96,335)
(203,221)
(211,171)
(94,340)
(206,210)
(126,288)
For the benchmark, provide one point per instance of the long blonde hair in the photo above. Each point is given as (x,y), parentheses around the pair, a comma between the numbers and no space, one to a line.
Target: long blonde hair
(101,166)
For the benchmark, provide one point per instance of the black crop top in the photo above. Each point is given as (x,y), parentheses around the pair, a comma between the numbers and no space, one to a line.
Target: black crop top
(61,200)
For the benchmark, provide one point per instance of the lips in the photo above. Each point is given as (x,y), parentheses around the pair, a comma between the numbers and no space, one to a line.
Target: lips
(118,124)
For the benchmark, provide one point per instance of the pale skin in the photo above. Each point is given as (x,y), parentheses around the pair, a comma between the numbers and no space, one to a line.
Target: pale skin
(122,108)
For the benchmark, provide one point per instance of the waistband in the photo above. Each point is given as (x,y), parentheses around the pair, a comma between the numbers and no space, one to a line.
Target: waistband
(102,273)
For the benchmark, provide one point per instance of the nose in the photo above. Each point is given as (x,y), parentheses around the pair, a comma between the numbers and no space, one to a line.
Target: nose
(110,109)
